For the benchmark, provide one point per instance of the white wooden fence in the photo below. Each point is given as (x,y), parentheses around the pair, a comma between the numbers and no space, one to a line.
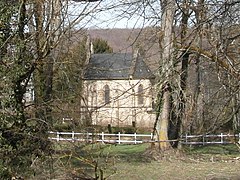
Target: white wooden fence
(135,138)
(210,139)
(101,137)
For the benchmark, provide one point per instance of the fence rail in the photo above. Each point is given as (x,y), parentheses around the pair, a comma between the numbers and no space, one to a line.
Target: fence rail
(135,138)
(210,139)
(101,137)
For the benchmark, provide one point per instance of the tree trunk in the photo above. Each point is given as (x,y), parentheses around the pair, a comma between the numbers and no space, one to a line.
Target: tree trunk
(165,118)
(195,110)
(44,74)
(166,42)
(183,71)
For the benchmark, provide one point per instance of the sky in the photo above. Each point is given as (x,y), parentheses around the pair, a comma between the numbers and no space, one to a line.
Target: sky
(118,17)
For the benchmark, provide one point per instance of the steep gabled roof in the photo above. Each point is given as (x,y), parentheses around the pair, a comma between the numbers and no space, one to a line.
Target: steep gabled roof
(117,66)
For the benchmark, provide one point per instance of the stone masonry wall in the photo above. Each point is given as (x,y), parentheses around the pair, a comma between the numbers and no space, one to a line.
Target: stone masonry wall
(129,101)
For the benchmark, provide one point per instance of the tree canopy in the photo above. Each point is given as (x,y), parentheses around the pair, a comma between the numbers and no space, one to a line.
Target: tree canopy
(101,46)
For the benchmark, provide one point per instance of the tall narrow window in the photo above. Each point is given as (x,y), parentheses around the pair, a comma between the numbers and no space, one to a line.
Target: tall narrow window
(140,94)
(107,94)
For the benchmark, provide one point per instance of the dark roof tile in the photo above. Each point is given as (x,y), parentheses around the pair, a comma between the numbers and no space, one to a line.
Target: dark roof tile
(116,66)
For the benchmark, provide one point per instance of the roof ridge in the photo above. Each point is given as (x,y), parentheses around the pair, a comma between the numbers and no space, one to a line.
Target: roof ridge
(117,66)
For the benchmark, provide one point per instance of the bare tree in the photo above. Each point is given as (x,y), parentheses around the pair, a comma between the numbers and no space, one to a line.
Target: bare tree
(200,34)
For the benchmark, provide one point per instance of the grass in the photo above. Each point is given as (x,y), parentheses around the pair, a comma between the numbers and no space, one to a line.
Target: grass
(176,170)
(197,163)
(230,149)
(122,150)
(130,162)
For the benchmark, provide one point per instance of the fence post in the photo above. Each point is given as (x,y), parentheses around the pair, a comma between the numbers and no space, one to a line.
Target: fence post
(119,139)
(239,138)
(135,138)
(72,136)
(203,139)
(221,138)
(180,139)
(87,137)
(186,141)
(102,137)
(58,136)
(151,136)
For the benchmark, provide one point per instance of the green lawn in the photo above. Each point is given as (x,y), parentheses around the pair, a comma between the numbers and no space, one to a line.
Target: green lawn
(205,162)
(129,162)
(229,149)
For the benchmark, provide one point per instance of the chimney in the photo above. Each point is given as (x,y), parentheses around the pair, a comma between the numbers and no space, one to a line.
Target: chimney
(133,63)
(88,49)
(91,48)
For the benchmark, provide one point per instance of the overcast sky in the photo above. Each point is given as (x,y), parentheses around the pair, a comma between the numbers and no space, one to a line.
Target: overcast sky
(99,17)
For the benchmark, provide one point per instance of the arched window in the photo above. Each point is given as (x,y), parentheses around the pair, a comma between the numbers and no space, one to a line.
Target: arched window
(140,94)
(106,94)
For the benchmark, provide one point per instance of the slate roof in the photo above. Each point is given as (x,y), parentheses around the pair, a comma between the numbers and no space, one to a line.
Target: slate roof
(116,66)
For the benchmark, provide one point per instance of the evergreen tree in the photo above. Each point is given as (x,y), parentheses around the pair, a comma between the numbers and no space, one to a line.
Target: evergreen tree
(101,46)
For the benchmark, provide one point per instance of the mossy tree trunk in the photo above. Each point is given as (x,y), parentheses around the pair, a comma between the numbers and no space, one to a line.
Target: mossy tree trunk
(165,71)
